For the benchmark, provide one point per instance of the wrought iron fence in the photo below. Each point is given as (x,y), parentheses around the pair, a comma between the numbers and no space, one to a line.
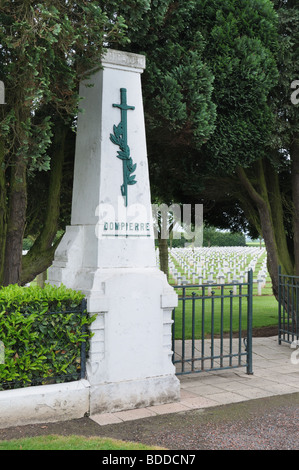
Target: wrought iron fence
(66,340)
(288,307)
(212,327)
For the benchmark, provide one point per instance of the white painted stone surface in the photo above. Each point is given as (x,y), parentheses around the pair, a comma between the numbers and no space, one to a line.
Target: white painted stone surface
(98,172)
(132,394)
(45,403)
(130,355)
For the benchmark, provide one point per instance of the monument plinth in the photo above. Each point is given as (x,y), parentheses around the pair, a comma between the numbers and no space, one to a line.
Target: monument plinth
(108,251)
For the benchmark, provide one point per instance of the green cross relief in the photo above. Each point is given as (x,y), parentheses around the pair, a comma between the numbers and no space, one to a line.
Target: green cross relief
(120,138)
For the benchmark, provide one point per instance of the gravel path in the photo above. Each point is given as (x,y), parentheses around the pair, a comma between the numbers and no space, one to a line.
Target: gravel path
(263,424)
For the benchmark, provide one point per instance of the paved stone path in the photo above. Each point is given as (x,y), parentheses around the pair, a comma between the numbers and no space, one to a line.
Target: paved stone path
(273,374)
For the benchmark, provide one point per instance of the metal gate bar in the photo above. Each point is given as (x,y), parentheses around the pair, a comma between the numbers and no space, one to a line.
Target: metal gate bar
(213,316)
(288,311)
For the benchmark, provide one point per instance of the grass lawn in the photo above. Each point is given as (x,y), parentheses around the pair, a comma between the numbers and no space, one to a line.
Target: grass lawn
(53,442)
(265,313)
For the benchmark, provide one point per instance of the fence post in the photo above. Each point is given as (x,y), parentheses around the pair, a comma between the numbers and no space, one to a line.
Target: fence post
(249,323)
(279,305)
(83,344)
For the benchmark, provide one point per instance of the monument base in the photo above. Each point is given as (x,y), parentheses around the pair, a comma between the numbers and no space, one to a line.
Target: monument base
(140,393)
(130,355)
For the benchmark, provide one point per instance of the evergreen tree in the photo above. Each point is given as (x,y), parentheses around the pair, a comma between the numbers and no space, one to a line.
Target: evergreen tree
(45,50)
(248,166)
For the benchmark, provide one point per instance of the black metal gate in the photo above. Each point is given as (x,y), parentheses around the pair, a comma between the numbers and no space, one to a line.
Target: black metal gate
(288,308)
(212,327)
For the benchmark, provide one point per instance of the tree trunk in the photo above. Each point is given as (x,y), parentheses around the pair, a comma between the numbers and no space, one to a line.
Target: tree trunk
(260,199)
(16,222)
(163,255)
(271,246)
(3,207)
(295,192)
(275,198)
(41,254)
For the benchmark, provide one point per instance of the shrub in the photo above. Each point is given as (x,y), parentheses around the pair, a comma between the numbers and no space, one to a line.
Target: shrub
(42,331)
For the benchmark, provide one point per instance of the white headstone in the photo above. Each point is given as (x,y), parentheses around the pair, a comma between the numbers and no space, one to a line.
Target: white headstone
(108,250)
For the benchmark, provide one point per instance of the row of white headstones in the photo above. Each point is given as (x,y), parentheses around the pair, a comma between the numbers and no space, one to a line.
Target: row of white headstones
(218,265)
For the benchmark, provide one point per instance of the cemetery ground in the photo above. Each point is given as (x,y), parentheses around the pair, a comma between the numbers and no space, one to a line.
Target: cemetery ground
(263,424)
(225,265)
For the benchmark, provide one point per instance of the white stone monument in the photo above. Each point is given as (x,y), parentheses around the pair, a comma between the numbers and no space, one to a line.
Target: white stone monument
(108,250)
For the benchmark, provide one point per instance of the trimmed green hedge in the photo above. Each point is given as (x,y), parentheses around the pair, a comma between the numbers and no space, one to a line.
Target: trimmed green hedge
(42,330)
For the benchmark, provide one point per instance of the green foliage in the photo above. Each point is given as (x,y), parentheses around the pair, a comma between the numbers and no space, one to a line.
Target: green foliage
(210,68)
(140,16)
(41,345)
(46,48)
(287,122)
(177,82)
(214,237)
(177,90)
(243,42)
